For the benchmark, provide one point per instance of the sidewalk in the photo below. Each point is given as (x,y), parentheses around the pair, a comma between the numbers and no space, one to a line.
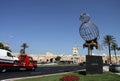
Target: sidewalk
(106,68)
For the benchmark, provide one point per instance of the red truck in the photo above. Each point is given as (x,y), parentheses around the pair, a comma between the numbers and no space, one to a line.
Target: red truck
(24,62)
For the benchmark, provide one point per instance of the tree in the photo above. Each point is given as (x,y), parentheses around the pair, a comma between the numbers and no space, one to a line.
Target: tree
(21,51)
(7,48)
(24,46)
(118,48)
(1,46)
(58,58)
(114,47)
(108,40)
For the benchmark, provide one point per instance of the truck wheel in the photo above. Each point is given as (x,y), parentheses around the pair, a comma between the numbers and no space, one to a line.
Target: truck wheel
(3,70)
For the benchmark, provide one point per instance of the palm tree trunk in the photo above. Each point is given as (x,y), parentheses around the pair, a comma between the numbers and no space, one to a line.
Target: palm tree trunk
(109,53)
(24,50)
(115,55)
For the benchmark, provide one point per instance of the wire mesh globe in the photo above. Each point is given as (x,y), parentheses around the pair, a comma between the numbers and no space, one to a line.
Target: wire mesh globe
(88,30)
(84,18)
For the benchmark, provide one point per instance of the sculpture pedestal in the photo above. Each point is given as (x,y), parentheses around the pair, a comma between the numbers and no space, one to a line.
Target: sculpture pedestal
(94,64)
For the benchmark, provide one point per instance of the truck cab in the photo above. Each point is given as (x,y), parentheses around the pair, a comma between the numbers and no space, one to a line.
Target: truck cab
(27,61)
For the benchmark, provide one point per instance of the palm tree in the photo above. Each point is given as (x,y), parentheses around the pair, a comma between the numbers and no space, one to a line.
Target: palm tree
(24,46)
(114,47)
(108,40)
(118,48)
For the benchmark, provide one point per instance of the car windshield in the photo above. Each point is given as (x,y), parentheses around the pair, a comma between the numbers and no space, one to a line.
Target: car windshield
(30,59)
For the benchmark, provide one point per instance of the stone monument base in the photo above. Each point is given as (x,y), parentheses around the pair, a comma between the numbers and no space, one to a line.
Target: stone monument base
(94,64)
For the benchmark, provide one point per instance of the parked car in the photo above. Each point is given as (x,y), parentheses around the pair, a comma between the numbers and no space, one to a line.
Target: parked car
(82,64)
(114,68)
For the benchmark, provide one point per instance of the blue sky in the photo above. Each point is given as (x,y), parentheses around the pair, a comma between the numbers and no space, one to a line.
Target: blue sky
(53,25)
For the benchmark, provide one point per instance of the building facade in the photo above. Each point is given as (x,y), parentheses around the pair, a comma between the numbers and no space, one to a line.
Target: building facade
(75,57)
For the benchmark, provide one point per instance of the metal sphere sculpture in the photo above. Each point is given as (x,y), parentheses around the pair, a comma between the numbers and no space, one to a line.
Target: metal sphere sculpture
(89,32)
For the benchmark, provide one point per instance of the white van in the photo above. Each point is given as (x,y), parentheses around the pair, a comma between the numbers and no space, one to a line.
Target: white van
(7,57)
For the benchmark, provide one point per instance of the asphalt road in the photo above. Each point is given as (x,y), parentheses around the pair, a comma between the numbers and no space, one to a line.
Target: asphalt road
(39,71)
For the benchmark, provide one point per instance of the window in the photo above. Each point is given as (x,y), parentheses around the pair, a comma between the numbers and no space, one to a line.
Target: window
(9,54)
(30,59)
